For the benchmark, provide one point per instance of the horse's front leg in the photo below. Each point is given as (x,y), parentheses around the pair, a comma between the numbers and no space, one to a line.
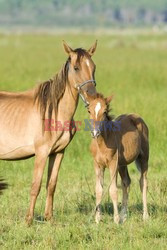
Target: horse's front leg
(40,161)
(53,170)
(99,190)
(113,189)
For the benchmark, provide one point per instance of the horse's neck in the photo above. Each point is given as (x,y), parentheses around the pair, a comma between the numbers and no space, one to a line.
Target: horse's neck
(101,140)
(68,104)
(106,140)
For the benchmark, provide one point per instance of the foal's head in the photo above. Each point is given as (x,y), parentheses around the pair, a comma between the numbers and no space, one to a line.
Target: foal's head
(81,69)
(99,111)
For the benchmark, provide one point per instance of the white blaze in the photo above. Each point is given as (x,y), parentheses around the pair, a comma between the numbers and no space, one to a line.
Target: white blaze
(97,108)
(87,62)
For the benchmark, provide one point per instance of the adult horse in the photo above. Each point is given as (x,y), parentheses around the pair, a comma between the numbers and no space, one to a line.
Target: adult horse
(23,116)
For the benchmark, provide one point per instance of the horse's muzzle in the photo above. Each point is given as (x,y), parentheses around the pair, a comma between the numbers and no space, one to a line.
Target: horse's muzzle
(95,133)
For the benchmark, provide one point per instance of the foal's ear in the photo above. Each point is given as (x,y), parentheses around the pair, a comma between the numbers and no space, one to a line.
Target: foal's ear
(92,50)
(67,48)
(109,99)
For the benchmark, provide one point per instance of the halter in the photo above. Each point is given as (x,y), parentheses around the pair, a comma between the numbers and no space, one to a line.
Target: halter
(79,87)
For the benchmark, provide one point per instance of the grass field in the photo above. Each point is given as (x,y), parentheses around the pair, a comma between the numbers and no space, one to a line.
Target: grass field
(132,67)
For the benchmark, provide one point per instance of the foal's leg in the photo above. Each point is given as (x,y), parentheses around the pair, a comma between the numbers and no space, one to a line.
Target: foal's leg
(123,171)
(143,167)
(99,189)
(40,161)
(113,189)
(53,170)
(143,187)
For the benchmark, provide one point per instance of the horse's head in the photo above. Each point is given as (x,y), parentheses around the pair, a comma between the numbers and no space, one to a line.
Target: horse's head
(98,109)
(81,70)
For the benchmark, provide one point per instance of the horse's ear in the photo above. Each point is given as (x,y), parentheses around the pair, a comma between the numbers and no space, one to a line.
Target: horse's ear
(109,99)
(67,48)
(92,50)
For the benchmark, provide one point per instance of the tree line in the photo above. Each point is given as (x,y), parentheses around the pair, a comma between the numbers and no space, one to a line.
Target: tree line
(86,13)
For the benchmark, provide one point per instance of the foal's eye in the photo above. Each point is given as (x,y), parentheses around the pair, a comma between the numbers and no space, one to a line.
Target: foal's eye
(76,68)
(88,111)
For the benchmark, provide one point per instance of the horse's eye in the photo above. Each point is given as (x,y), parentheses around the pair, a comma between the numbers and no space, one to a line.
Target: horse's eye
(76,68)
(88,111)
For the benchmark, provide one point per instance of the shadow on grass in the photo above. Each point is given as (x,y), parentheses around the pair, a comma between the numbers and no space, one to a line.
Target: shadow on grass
(39,218)
(3,185)
(85,207)
(152,208)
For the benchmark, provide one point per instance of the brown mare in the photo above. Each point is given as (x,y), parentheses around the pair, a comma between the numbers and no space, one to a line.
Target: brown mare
(115,144)
(23,114)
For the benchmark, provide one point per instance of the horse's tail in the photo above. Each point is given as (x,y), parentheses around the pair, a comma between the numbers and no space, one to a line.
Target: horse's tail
(144,134)
(3,185)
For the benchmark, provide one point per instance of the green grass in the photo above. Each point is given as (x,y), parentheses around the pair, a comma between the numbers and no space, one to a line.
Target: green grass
(134,68)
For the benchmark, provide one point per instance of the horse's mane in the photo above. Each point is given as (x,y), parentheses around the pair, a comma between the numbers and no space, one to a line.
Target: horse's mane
(49,93)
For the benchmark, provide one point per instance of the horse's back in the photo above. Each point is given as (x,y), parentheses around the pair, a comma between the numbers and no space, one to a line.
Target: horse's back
(133,119)
(133,136)
(18,124)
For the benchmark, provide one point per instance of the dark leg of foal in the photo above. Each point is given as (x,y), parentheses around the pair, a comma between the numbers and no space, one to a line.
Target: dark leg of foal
(99,171)
(123,171)
(143,167)
(40,161)
(53,170)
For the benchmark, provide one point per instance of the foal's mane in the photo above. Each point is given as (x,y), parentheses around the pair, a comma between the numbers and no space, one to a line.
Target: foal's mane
(49,93)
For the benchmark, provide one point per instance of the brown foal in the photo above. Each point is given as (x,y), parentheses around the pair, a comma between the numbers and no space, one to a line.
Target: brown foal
(23,116)
(115,144)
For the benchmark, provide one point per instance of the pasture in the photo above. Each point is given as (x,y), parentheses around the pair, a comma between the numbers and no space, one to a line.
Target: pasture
(134,69)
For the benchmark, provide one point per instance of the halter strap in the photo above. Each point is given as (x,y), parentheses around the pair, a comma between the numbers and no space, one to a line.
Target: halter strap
(79,87)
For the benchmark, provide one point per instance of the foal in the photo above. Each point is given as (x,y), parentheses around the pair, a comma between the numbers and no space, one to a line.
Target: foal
(116,144)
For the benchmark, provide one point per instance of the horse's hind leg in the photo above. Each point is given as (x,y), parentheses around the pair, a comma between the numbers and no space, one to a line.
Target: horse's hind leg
(123,171)
(143,168)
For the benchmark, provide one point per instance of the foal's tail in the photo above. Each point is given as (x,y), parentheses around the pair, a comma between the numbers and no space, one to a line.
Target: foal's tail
(144,134)
(3,185)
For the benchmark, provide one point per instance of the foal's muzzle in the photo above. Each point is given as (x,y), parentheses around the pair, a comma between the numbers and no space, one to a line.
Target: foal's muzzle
(95,133)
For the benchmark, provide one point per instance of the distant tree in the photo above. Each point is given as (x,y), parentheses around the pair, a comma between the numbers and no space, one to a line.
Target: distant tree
(141,13)
(117,15)
(165,16)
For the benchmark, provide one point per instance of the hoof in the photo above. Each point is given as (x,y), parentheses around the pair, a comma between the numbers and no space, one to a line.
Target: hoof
(117,219)
(29,220)
(123,216)
(97,217)
(145,216)
(48,217)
